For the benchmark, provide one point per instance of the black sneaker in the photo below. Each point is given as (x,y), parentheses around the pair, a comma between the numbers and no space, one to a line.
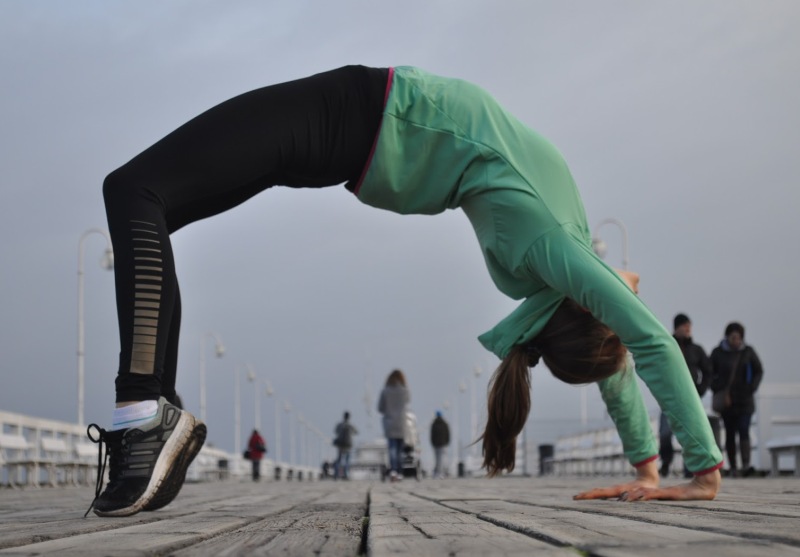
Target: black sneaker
(174,481)
(148,462)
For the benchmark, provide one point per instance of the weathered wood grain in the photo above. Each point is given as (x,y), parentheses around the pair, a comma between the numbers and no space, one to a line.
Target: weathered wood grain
(467,517)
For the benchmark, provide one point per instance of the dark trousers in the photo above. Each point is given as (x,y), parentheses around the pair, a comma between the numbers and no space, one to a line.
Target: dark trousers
(737,425)
(313,132)
(256,470)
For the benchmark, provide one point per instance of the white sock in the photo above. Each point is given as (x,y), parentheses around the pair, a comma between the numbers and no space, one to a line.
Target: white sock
(134,414)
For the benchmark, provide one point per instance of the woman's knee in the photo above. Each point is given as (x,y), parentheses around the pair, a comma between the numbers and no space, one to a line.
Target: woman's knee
(122,190)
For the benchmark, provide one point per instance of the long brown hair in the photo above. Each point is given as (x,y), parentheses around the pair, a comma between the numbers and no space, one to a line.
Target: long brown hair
(396,378)
(576,347)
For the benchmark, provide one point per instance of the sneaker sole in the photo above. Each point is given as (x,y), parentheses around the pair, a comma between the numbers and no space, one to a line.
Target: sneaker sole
(175,446)
(173,483)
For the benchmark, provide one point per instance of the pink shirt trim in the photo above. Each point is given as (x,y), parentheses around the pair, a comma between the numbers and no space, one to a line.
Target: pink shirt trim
(645,461)
(708,470)
(377,134)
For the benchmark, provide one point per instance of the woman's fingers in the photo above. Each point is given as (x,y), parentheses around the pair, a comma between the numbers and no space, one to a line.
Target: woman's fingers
(631,493)
(602,492)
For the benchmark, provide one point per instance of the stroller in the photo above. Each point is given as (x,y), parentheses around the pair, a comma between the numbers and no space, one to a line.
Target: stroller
(411,466)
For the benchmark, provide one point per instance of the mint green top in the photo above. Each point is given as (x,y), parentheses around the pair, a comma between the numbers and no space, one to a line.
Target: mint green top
(445,143)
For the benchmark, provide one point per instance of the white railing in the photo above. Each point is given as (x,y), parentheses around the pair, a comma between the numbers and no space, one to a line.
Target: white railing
(40,452)
(776,424)
(37,451)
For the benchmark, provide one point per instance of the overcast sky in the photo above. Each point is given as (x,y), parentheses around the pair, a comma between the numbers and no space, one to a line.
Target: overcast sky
(680,118)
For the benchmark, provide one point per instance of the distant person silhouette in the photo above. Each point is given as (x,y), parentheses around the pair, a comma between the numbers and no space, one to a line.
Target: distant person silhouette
(393,404)
(440,439)
(737,369)
(343,441)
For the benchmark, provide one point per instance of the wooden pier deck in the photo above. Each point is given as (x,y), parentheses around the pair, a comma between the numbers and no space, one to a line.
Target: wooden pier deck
(505,516)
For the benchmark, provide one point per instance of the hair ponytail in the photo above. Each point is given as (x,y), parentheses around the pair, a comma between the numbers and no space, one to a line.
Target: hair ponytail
(577,349)
(507,410)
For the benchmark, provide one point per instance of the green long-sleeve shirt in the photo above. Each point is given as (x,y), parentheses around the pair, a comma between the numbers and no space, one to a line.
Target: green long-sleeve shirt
(445,143)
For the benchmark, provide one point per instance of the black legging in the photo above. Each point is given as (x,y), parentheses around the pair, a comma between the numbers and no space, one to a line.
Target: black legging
(313,132)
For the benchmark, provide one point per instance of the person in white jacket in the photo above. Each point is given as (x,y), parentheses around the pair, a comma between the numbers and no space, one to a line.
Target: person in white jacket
(393,404)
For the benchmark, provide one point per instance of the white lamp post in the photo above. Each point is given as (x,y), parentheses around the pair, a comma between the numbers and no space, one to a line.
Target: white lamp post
(219,350)
(270,393)
(601,248)
(253,378)
(302,438)
(237,409)
(462,387)
(288,408)
(107,262)
(476,373)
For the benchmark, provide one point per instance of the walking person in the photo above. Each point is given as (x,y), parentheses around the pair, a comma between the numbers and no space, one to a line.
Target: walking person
(440,439)
(343,441)
(256,449)
(737,370)
(410,142)
(393,404)
(700,368)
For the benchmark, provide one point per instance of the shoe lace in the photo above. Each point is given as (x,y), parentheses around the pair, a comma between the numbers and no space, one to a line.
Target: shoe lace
(102,459)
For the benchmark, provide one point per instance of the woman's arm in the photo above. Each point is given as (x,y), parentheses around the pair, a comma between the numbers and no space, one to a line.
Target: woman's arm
(570,267)
(625,405)
(758,371)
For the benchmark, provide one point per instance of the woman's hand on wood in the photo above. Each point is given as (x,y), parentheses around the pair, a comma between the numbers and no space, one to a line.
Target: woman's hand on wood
(646,488)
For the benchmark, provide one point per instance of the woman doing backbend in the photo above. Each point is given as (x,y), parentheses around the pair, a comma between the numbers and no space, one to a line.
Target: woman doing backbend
(413,143)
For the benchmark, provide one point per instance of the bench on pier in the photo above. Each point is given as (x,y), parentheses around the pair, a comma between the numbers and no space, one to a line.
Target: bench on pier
(789,445)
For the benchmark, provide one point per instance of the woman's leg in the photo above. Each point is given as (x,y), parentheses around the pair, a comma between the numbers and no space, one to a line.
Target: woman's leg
(395,454)
(743,428)
(312,132)
(731,427)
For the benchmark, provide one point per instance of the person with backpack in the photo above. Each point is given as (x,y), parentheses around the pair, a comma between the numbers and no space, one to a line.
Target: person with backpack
(343,441)
(440,439)
(256,449)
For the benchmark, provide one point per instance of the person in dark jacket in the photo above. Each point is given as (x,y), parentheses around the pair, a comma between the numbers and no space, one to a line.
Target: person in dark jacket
(736,366)
(440,439)
(256,449)
(344,444)
(700,369)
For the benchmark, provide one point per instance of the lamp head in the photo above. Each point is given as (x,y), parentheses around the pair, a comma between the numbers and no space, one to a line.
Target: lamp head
(107,261)
(599,247)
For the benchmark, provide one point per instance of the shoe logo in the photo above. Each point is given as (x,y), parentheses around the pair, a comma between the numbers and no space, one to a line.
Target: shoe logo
(171,415)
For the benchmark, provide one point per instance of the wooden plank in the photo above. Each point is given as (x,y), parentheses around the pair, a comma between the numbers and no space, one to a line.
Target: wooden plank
(330,524)
(218,508)
(510,516)
(401,523)
(771,517)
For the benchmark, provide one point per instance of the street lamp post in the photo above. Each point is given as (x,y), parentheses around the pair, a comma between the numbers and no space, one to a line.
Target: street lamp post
(270,393)
(237,409)
(219,350)
(600,247)
(288,408)
(476,373)
(107,263)
(253,378)
(302,438)
(462,387)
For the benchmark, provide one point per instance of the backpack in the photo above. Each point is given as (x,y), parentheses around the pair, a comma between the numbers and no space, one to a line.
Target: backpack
(344,436)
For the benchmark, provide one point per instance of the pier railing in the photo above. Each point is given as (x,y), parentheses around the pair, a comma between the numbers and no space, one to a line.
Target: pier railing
(37,452)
